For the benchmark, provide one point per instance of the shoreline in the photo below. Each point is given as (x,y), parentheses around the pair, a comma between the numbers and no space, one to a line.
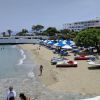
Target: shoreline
(40,61)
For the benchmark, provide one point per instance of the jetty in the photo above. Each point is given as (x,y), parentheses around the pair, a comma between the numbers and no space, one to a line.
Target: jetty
(22,39)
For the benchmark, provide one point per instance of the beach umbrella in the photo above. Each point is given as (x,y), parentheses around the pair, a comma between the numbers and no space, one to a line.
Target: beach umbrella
(50,42)
(72,43)
(64,42)
(56,44)
(68,42)
(66,47)
(59,44)
(45,41)
(60,40)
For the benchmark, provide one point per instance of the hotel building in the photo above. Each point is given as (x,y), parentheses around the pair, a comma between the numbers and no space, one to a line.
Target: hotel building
(81,25)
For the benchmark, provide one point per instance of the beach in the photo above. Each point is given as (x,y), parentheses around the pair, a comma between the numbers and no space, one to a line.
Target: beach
(82,79)
(54,83)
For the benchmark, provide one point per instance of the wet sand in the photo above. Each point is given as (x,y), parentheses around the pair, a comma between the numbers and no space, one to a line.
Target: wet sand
(85,79)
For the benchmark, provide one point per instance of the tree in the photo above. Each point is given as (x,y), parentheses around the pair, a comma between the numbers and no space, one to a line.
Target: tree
(4,34)
(9,32)
(73,35)
(65,31)
(89,37)
(23,32)
(51,31)
(37,28)
(68,34)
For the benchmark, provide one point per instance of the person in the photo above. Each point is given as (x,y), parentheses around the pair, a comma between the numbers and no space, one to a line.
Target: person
(39,47)
(11,94)
(23,97)
(41,68)
(11,98)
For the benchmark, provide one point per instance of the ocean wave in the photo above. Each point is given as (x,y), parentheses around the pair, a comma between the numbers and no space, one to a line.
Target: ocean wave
(23,57)
(22,52)
(31,75)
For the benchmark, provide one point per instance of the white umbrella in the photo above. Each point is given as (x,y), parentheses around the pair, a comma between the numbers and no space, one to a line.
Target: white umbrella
(56,44)
(72,43)
(67,47)
(45,41)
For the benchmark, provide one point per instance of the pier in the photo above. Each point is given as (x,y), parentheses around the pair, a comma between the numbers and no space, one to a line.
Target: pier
(22,39)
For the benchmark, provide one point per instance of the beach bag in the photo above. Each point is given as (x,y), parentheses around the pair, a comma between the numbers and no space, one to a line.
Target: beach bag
(11,94)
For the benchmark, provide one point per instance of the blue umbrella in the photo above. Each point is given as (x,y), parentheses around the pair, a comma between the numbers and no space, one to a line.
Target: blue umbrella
(68,42)
(51,42)
(59,44)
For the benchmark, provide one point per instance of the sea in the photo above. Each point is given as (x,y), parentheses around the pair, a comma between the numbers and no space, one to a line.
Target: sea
(11,61)
(16,66)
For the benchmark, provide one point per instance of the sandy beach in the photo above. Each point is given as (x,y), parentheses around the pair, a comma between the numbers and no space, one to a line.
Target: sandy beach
(71,80)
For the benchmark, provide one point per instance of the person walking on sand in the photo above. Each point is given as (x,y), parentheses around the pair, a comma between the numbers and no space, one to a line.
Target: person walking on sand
(41,69)
(39,47)
(11,93)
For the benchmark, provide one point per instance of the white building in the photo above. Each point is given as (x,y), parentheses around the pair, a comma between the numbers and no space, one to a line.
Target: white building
(78,26)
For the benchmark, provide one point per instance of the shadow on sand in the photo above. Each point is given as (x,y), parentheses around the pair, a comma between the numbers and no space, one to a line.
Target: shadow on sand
(94,68)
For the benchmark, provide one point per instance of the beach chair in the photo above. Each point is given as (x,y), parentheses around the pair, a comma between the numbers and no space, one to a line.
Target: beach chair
(54,60)
(81,57)
(67,63)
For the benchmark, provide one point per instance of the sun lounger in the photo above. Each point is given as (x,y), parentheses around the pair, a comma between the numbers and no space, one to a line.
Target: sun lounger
(66,64)
(81,58)
(95,63)
(54,60)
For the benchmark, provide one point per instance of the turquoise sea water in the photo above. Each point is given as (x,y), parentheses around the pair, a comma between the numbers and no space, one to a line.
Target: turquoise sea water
(11,59)
(16,67)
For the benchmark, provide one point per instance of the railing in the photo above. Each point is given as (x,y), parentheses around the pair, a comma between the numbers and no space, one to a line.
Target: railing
(17,41)
(21,39)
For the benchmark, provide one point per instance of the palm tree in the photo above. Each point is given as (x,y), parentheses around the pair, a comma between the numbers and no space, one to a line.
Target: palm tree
(4,34)
(9,32)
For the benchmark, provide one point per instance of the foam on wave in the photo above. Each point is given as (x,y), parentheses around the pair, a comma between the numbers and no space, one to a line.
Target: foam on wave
(31,75)
(23,57)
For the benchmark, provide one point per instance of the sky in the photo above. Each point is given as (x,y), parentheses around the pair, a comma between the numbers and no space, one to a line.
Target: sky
(18,14)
